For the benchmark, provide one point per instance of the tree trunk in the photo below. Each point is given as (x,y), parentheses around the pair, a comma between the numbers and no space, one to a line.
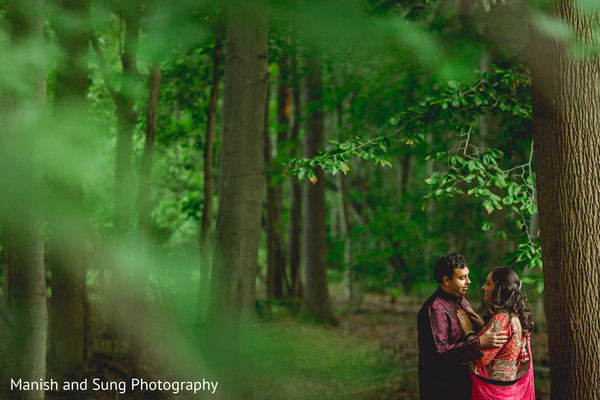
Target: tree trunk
(316,303)
(207,209)
(137,335)
(126,119)
(6,270)
(241,186)
(274,287)
(566,110)
(275,257)
(295,213)
(67,220)
(283,122)
(144,203)
(25,224)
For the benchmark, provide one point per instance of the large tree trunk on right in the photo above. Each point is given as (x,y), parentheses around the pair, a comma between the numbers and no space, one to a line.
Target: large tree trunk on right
(316,303)
(566,126)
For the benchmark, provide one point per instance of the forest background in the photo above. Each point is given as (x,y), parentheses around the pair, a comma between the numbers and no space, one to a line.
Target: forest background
(252,193)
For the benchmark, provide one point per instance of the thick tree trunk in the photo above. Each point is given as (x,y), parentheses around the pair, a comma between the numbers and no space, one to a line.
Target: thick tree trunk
(316,303)
(207,209)
(295,213)
(242,165)
(68,328)
(25,223)
(566,122)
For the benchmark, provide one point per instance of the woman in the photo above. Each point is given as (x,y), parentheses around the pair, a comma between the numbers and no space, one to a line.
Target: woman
(505,372)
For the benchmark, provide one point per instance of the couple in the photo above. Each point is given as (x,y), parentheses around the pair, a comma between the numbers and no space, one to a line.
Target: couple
(451,335)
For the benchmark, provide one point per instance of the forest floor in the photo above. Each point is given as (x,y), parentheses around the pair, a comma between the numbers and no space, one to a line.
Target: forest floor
(371,355)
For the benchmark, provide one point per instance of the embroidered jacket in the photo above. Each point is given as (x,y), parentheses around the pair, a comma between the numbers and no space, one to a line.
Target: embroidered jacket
(443,349)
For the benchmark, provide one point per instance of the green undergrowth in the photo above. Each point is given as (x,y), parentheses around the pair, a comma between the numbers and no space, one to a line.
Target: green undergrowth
(305,361)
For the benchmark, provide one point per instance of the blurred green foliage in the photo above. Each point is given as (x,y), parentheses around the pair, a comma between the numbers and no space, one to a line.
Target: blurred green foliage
(403,89)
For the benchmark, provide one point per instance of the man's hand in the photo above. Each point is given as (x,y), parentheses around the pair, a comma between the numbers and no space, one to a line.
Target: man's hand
(489,339)
(465,323)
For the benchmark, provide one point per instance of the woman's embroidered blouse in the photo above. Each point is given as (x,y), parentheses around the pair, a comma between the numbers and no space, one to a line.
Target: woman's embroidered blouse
(503,362)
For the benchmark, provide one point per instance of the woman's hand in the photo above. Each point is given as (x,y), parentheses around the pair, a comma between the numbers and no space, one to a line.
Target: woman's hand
(475,318)
(465,323)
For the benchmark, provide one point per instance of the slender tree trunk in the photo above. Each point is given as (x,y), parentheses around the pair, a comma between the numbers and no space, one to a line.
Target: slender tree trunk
(67,220)
(137,335)
(25,223)
(6,269)
(273,281)
(566,122)
(316,303)
(283,122)
(295,213)
(126,119)
(242,165)
(275,257)
(144,196)
(207,209)
(352,296)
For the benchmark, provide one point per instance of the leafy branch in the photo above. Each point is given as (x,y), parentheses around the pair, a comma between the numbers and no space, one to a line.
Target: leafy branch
(498,92)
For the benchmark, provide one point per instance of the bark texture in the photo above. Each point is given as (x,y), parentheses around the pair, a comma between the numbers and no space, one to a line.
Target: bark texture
(566,123)
(241,181)
(316,304)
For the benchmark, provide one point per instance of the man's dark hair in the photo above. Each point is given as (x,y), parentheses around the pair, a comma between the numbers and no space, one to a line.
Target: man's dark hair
(446,264)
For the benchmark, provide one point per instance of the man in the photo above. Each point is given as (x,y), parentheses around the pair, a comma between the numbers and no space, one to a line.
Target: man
(443,347)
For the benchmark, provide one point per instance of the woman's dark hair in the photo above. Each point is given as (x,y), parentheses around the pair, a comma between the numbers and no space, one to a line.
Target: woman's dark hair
(507,297)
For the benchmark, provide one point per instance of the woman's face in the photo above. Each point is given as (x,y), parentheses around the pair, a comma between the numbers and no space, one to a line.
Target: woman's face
(488,287)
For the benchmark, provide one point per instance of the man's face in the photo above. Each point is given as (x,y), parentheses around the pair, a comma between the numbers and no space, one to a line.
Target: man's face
(459,283)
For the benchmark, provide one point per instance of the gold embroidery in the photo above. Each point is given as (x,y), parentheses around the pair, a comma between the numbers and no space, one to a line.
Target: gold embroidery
(495,325)
(522,344)
(504,370)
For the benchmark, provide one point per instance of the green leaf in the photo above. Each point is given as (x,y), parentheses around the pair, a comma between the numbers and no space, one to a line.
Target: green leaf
(488,206)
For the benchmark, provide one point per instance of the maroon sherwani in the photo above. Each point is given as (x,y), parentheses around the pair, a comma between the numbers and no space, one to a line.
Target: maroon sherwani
(442,349)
